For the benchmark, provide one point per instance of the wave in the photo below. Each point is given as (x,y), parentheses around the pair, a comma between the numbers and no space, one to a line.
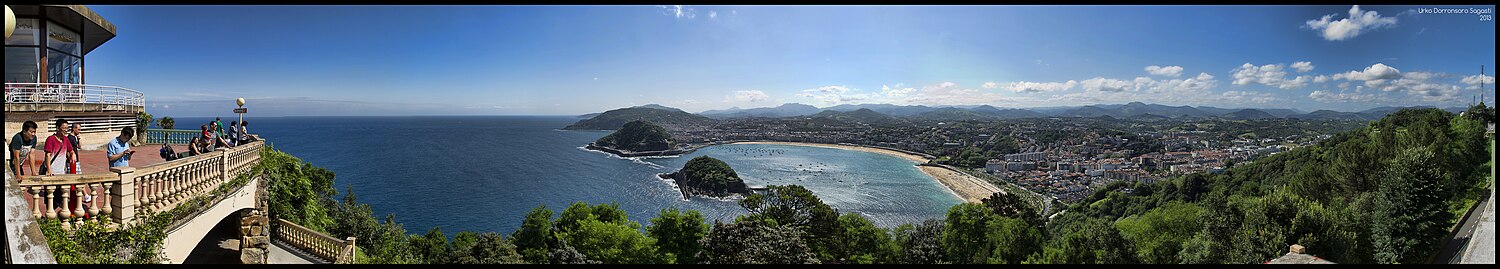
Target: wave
(632,159)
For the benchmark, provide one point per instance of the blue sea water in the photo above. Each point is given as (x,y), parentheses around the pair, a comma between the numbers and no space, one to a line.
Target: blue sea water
(484,173)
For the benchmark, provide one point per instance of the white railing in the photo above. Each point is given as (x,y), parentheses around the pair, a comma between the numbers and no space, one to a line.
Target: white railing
(318,244)
(66,93)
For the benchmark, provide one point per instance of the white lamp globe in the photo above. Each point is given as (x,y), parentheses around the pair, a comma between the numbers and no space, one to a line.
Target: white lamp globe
(10,22)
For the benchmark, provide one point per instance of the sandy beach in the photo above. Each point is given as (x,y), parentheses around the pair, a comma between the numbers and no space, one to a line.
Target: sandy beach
(903,155)
(968,188)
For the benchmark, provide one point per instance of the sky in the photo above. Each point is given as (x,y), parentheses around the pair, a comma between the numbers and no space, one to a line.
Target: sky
(569,60)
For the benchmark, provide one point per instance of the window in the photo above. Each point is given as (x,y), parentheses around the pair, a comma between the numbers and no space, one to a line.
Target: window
(20,64)
(63,68)
(63,39)
(26,33)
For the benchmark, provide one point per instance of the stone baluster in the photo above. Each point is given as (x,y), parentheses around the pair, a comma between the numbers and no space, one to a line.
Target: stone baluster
(147,196)
(75,201)
(93,209)
(36,202)
(47,191)
(122,195)
(106,198)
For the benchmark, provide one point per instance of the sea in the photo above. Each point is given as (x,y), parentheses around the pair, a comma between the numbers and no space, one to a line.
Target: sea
(484,173)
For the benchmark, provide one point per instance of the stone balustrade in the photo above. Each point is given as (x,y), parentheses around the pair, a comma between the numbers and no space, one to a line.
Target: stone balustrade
(318,244)
(124,191)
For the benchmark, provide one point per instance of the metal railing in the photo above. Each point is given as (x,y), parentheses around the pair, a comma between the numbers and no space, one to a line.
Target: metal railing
(170,136)
(68,93)
(318,244)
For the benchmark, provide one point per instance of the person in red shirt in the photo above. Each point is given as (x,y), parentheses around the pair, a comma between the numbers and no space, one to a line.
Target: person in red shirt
(59,156)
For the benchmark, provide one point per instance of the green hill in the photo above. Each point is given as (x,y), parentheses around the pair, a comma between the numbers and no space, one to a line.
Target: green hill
(706,176)
(637,136)
(614,119)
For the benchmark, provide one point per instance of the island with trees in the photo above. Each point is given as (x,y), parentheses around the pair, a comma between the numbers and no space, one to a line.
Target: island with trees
(706,176)
(638,138)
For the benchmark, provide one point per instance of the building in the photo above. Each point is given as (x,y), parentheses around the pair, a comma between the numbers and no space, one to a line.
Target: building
(46,75)
(1026,157)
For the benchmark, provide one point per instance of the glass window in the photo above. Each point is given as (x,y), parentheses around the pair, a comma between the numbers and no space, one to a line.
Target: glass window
(62,68)
(25,33)
(63,39)
(20,64)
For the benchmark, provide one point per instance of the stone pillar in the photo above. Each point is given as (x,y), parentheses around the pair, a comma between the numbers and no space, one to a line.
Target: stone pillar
(254,237)
(122,195)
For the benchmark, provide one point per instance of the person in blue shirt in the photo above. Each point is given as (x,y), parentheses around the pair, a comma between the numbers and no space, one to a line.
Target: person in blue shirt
(119,149)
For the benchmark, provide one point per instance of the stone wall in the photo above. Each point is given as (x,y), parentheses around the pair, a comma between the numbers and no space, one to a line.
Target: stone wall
(254,237)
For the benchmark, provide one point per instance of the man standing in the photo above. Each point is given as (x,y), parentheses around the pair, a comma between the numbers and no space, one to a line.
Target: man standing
(73,137)
(119,150)
(20,149)
(58,153)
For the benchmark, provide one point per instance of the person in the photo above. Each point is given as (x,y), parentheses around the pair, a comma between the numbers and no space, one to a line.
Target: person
(218,127)
(58,153)
(217,137)
(245,133)
(58,156)
(119,150)
(20,149)
(73,137)
(233,134)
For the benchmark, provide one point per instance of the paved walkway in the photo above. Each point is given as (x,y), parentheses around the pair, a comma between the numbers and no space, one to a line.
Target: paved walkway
(1481,247)
(279,253)
(94,161)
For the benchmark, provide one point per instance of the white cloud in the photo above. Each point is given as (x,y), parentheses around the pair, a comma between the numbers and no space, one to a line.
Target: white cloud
(1358,22)
(834,95)
(1321,79)
(1099,84)
(1273,75)
(1242,97)
(1032,87)
(1201,83)
(1475,81)
(990,85)
(1302,66)
(1341,97)
(678,11)
(751,96)
(713,14)
(1378,71)
(1169,71)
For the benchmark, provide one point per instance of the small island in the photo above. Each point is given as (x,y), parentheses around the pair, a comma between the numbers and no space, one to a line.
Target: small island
(706,176)
(639,138)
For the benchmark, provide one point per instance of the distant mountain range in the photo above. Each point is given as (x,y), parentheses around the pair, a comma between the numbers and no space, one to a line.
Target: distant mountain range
(888,113)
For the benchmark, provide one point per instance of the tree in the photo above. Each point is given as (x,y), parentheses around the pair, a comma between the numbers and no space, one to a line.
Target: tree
(1410,215)
(755,241)
(796,207)
(920,244)
(1158,234)
(861,242)
(142,120)
(677,234)
(535,235)
(432,247)
(166,123)
(612,242)
(1005,204)
(1014,240)
(964,236)
(1093,241)
(492,248)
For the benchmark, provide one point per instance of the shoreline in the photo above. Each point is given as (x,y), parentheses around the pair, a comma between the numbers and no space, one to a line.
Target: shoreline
(967,188)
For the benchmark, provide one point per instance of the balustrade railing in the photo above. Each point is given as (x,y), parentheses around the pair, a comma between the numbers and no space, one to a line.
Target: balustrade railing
(123,191)
(68,93)
(315,243)
(170,136)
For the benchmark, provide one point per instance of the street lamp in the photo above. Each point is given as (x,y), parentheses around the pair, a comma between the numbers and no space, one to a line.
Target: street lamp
(10,22)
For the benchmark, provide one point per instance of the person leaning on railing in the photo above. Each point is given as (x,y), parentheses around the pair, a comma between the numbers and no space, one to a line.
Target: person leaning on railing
(20,149)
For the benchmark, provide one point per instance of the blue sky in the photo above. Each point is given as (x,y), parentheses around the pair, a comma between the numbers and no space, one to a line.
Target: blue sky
(558,60)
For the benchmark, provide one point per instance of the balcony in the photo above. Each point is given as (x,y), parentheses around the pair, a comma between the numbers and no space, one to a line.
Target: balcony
(66,97)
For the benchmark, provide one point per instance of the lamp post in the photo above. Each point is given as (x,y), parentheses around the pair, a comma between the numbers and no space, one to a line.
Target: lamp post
(241,102)
(10,22)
